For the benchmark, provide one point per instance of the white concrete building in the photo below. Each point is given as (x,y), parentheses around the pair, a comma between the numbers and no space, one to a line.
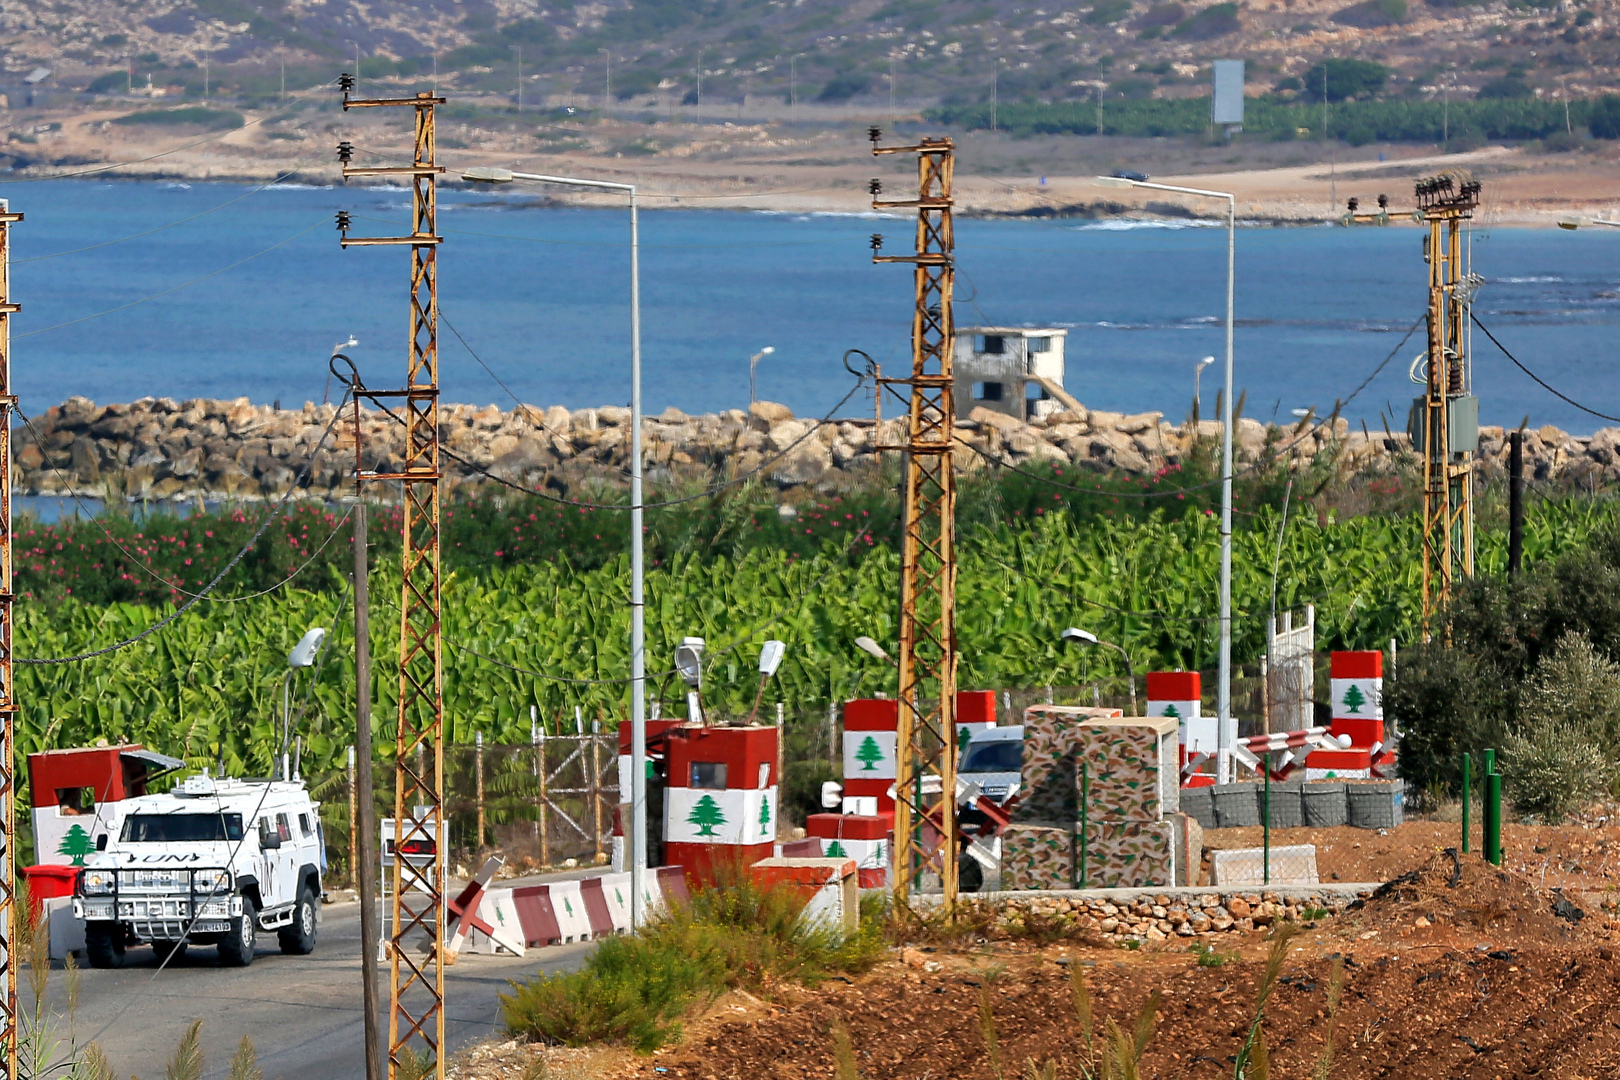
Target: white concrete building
(1017,370)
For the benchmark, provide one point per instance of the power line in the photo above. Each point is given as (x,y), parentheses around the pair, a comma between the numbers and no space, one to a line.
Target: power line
(1539,380)
(706,492)
(177,288)
(1264,460)
(198,597)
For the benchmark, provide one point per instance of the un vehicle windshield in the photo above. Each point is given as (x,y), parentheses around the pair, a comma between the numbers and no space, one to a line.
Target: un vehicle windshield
(1005,755)
(180,828)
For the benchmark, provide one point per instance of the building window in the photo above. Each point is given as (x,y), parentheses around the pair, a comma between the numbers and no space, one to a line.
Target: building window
(75,801)
(987,391)
(1040,344)
(709,774)
(991,344)
(1034,391)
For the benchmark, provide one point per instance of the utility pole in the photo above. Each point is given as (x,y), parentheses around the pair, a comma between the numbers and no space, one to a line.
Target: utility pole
(1450,411)
(1100,84)
(1515,502)
(12,937)
(363,823)
(927,660)
(995,93)
(416,989)
(607,93)
(520,80)
(283,78)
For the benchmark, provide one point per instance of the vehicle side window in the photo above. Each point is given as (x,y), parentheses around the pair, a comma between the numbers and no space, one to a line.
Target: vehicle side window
(282,828)
(304,826)
(264,831)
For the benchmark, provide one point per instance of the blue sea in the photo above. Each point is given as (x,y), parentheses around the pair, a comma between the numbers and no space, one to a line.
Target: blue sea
(224,290)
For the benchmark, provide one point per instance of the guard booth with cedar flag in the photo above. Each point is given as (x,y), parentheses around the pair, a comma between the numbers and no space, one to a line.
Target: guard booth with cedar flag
(78,794)
(720,804)
(1179,694)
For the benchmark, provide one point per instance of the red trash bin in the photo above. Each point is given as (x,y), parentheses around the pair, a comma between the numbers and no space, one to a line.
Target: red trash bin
(47,881)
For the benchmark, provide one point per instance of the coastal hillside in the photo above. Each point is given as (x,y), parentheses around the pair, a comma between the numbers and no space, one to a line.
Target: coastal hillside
(823,53)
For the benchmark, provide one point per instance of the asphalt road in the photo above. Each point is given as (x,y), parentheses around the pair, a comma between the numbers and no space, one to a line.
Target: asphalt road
(303,1012)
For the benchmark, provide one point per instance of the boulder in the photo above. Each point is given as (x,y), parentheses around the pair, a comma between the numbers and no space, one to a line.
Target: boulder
(769,413)
(1000,421)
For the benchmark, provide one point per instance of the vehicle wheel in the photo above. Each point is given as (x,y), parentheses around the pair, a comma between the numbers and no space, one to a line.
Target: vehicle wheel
(236,948)
(969,874)
(169,952)
(104,942)
(298,939)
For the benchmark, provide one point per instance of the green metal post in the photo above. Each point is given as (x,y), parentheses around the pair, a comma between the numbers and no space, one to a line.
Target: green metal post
(1085,818)
(1492,840)
(1265,820)
(1467,763)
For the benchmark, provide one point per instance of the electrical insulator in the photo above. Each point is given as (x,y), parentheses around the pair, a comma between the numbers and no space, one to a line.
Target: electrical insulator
(874,133)
(345,82)
(875,187)
(877,241)
(343,221)
(1355,204)
(345,152)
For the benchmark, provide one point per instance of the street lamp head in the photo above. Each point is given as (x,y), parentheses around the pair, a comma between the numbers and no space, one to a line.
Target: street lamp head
(486,174)
(1301,413)
(1205,362)
(689,660)
(303,654)
(767,350)
(870,647)
(337,350)
(770,658)
(1077,636)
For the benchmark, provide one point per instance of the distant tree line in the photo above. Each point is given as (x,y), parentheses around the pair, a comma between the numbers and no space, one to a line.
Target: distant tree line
(1355,122)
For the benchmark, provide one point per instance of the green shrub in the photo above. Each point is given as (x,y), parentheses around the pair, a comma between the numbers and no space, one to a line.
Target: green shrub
(1215,21)
(637,990)
(1553,769)
(1345,79)
(1604,118)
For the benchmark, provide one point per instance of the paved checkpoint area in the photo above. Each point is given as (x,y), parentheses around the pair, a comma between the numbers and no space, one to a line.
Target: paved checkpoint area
(303,1012)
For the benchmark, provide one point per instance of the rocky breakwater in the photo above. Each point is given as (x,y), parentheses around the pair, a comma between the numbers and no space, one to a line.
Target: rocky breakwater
(158,448)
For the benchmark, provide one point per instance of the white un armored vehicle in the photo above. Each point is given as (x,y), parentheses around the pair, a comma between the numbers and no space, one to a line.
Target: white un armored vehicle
(215,861)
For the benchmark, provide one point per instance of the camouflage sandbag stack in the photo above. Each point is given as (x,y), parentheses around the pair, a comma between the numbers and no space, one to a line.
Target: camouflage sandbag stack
(1130,854)
(1132,791)
(1053,734)
(1037,857)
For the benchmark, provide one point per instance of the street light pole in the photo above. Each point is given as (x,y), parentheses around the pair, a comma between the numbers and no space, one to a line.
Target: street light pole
(638,634)
(1198,396)
(1226,728)
(753,362)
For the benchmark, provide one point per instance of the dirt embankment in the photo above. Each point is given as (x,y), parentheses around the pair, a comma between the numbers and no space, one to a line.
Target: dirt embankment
(1455,969)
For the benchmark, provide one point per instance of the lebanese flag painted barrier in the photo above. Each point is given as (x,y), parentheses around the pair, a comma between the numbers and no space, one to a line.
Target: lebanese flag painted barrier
(512,920)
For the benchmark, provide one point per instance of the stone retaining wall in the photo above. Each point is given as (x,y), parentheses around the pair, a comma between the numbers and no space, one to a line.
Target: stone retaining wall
(160,448)
(1155,915)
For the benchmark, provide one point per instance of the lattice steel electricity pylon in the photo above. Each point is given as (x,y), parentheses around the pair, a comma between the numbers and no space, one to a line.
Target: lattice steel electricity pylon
(13,930)
(927,736)
(416,982)
(1450,412)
